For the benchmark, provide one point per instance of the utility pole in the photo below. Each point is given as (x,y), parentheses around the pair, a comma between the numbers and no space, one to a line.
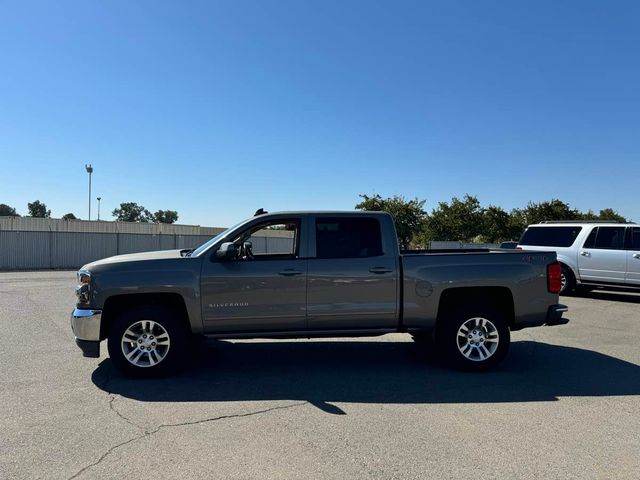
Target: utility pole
(99,198)
(89,169)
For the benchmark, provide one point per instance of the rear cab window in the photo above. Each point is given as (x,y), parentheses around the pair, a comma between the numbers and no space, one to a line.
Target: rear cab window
(344,237)
(550,236)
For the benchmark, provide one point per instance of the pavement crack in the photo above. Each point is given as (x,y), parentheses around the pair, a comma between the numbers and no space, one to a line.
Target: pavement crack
(148,433)
(112,407)
(112,398)
(105,455)
(224,417)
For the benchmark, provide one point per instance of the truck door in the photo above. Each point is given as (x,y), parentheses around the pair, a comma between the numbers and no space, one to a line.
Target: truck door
(264,289)
(352,279)
(633,257)
(603,258)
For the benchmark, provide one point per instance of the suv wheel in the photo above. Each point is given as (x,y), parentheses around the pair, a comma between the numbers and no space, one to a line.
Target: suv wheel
(147,341)
(475,340)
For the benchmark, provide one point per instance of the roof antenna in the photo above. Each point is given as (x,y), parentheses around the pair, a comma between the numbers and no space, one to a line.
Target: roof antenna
(260,211)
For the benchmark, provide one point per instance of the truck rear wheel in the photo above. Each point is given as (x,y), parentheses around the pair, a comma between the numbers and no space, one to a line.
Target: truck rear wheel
(148,341)
(474,340)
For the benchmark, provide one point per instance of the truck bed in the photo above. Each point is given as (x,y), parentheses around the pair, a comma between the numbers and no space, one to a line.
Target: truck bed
(427,274)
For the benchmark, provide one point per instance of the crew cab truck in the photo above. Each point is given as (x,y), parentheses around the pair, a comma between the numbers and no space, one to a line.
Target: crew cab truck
(312,274)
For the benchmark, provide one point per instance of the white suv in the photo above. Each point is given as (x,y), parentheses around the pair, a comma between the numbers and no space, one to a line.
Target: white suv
(591,253)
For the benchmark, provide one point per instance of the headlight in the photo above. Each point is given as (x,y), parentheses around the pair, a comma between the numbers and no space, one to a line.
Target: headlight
(82,290)
(84,276)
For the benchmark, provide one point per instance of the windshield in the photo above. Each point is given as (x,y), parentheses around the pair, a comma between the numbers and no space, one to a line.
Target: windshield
(221,235)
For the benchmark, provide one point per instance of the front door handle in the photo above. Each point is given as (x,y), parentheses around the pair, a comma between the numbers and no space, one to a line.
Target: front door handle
(585,254)
(380,270)
(636,255)
(290,272)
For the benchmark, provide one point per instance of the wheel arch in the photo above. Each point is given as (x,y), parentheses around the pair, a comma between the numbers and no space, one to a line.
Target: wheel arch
(498,298)
(117,304)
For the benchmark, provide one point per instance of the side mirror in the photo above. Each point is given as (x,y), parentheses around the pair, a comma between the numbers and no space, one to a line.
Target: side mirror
(227,251)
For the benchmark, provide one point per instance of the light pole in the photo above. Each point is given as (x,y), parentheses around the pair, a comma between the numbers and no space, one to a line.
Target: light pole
(89,169)
(99,198)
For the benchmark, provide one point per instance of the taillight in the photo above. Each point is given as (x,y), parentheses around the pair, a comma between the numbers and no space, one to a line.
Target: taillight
(554,277)
(518,247)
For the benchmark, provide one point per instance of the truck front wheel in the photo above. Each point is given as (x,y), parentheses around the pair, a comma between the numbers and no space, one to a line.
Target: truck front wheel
(147,341)
(475,341)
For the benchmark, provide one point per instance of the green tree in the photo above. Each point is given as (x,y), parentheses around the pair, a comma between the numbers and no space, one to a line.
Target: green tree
(408,215)
(132,212)
(38,209)
(496,223)
(548,211)
(611,214)
(517,224)
(165,216)
(7,211)
(69,216)
(460,220)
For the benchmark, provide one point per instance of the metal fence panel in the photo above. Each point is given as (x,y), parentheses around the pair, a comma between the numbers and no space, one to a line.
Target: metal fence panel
(480,245)
(137,242)
(167,242)
(73,249)
(24,250)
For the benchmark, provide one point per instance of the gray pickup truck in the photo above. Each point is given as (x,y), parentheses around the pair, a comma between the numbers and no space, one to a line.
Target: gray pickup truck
(312,274)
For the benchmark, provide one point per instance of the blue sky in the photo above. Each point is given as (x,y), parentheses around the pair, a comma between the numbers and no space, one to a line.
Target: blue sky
(215,109)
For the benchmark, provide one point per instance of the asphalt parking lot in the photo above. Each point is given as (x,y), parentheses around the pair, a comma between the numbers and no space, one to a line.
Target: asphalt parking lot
(566,403)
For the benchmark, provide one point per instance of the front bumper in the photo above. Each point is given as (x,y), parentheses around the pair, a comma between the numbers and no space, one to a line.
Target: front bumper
(85,325)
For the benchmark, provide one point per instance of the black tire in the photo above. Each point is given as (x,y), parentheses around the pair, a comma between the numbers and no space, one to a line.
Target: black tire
(569,281)
(584,289)
(451,345)
(424,339)
(156,319)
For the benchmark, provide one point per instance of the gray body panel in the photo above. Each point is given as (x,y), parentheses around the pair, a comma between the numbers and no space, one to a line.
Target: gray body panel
(428,276)
(253,296)
(150,272)
(245,298)
(343,293)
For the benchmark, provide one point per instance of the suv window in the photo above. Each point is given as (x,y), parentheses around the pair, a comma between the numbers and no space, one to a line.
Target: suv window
(635,238)
(591,239)
(610,238)
(348,238)
(550,236)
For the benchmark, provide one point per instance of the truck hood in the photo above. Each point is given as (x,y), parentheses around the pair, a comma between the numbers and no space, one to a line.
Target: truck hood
(134,257)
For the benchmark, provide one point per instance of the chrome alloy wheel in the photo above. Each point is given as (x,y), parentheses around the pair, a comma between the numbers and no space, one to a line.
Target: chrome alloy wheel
(145,343)
(478,339)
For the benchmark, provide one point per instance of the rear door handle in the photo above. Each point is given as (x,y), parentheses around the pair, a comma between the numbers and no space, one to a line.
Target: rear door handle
(636,255)
(290,272)
(585,254)
(380,270)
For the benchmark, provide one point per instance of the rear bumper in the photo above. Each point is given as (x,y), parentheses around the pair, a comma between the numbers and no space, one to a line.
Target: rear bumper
(553,318)
(554,315)
(85,325)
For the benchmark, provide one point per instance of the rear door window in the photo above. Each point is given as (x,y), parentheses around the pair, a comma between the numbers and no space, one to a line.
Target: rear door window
(550,236)
(610,238)
(348,238)
(591,239)
(635,238)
